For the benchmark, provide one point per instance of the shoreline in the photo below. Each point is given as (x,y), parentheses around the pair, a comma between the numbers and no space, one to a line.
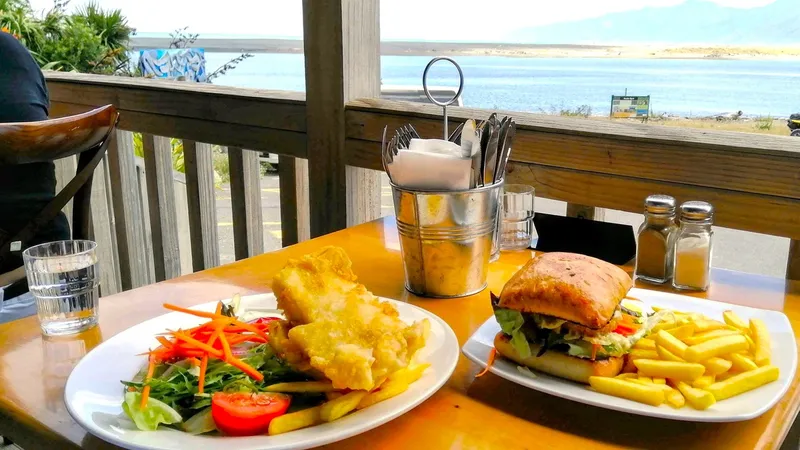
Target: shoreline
(397,48)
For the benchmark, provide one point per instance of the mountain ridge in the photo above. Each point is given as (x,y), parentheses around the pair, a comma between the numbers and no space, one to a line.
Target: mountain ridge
(698,22)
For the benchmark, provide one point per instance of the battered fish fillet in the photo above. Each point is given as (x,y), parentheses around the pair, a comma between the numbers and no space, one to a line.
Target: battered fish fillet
(338,327)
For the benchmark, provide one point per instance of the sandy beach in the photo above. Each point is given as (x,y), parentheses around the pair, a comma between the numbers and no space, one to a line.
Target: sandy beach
(487,49)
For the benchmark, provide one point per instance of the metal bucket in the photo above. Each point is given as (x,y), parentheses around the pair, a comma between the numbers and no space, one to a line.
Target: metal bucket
(446,238)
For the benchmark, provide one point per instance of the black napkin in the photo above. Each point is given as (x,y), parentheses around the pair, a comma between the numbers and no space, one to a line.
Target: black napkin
(611,242)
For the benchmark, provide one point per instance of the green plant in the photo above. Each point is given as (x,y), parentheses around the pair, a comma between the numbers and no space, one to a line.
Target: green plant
(580,111)
(178,163)
(222,165)
(764,123)
(91,40)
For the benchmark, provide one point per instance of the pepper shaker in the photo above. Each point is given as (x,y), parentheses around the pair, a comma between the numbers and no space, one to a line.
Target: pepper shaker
(656,238)
(693,247)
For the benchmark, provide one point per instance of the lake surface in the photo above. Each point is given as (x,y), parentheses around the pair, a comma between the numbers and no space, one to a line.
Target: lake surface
(684,87)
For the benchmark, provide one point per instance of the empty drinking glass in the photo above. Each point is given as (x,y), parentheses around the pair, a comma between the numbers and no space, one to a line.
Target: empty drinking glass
(64,279)
(517,211)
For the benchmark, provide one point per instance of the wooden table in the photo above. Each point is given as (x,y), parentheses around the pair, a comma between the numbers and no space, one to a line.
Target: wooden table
(466,413)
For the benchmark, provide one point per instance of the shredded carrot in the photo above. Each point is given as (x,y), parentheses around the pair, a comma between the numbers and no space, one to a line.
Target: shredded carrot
(226,347)
(595,347)
(244,367)
(200,345)
(632,298)
(165,342)
(201,379)
(151,368)
(489,363)
(193,312)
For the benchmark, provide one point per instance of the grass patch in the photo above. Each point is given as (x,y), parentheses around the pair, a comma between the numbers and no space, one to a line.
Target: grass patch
(763,123)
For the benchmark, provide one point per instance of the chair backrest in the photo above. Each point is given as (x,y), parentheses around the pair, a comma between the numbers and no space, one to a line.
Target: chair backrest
(48,140)
(84,134)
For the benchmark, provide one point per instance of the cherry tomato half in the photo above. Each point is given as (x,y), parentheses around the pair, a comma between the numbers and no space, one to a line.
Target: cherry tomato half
(246,414)
(262,320)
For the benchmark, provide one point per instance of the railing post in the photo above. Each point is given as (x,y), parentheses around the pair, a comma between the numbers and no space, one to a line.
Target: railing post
(161,197)
(198,160)
(248,228)
(127,211)
(293,179)
(102,230)
(342,62)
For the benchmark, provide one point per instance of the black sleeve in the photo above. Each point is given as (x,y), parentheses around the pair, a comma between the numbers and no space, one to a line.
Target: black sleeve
(23,92)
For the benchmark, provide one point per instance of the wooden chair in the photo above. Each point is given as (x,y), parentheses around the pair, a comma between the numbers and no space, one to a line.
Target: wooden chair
(84,134)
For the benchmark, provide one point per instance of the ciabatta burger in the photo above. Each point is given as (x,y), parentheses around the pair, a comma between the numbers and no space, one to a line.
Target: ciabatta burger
(561,314)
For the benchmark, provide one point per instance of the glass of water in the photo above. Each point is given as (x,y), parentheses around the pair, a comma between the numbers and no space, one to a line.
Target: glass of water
(64,279)
(516,227)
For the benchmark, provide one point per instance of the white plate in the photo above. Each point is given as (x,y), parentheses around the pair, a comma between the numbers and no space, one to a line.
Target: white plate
(93,393)
(742,407)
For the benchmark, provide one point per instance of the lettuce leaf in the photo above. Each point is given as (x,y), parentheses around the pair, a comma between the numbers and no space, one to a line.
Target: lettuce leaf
(511,323)
(156,412)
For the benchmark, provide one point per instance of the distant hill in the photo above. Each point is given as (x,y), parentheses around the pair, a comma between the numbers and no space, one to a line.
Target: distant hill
(692,22)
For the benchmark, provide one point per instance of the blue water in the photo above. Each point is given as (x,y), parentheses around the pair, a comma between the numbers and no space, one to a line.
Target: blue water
(684,87)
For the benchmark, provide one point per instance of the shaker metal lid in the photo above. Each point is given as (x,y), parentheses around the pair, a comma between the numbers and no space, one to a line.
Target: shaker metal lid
(659,204)
(696,211)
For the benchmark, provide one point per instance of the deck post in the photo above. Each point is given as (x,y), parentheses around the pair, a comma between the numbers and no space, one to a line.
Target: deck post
(342,62)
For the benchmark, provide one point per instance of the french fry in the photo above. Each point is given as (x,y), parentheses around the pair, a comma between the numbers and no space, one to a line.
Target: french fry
(627,375)
(667,355)
(715,347)
(665,323)
(725,376)
(388,389)
(638,353)
(732,319)
(716,366)
(709,335)
(696,398)
(741,363)
(674,398)
(301,386)
(682,332)
(671,343)
(649,394)
(647,380)
(750,342)
(645,344)
(658,380)
(338,408)
(409,374)
(295,421)
(669,369)
(743,382)
(758,329)
(663,387)
(703,382)
(706,324)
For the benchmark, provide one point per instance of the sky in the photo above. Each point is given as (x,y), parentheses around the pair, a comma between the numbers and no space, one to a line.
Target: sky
(467,20)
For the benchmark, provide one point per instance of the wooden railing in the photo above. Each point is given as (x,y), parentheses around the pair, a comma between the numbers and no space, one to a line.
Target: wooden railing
(753,180)
(202,116)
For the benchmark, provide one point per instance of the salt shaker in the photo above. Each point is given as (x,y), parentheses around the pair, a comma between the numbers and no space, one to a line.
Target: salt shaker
(654,251)
(693,247)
